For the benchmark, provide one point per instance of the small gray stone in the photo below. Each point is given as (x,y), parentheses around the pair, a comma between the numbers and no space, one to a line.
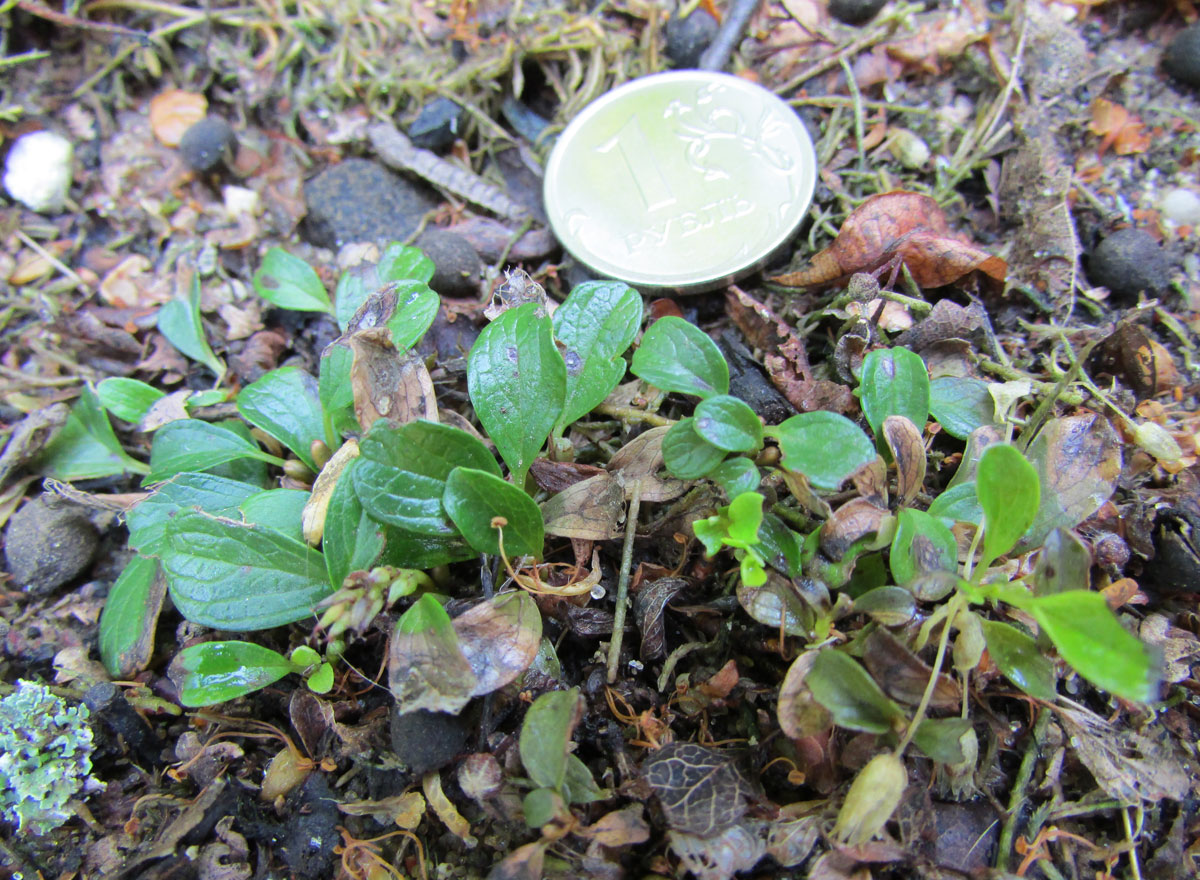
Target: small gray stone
(1129,262)
(687,38)
(360,201)
(425,740)
(47,545)
(207,143)
(1182,58)
(437,125)
(855,11)
(457,266)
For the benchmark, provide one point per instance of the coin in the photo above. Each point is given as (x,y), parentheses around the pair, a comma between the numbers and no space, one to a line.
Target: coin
(683,180)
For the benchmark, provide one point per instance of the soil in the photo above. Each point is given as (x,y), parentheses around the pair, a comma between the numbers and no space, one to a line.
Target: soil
(1062,161)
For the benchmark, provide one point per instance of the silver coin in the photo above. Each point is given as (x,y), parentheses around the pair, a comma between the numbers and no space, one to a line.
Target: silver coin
(682,180)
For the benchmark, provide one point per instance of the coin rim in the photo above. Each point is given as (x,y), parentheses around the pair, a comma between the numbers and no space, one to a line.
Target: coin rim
(571,133)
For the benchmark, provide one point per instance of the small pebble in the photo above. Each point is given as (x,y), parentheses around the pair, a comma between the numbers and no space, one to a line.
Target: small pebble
(457,266)
(424,740)
(1129,262)
(38,171)
(855,11)
(687,38)
(1181,207)
(437,125)
(207,143)
(1182,58)
(48,545)
(359,200)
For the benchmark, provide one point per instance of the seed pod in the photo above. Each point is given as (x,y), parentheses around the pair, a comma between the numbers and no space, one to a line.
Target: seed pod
(873,797)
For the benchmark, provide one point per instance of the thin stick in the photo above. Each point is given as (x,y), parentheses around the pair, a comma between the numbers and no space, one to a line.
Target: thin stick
(614,645)
(716,56)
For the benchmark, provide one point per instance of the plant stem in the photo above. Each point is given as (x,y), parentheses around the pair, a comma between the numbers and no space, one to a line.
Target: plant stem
(953,607)
(1017,798)
(614,645)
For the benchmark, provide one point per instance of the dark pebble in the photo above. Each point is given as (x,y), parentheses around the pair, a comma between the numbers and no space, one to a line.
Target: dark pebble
(687,38)
(207,144)
(426,741)
(311,831)
(1182,58)
(457,266)
(360,201)
(1129,262)
(48,545)
(855,11)
(437,125)
(110,708)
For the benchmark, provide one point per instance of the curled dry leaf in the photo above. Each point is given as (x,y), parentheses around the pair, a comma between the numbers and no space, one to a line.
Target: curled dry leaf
(870,481)
(701,790)
(388,384)
(640,460)
(426,670)
(554,476)
(903,675)
(590,510)
(431,784)
(800,715)
(902,227)
(499,639)
(855,519)
(784,605)
(1137,360)
(649,606)
(175,111)
(904,440)
(312,518)
(734,850)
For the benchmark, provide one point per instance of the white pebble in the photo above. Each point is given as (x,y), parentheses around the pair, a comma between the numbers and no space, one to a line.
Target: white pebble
(38,171)
(1181,207)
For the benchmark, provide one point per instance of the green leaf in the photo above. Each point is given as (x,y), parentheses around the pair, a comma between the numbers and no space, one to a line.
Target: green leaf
(961,405)
(213,672)
(410,550)
(286,404)
(278,509)
(129,617)
(852,697)
(401,262)
(215,495)
(729,423)
(474,498)
(336,390)
(127,399)
(426,666)
(402,470)
(1089,637)
(86,447)
(416,307)
(397,263)
(1017,656)
(941,738)
(321,681)
(735,476)
(290,283)
(823,446)
(1064,563)
(678,356)
(894,382)
(193,445)
(545,736)
(922,544)
(352,541)
(686,454)
(580,786)
(180,323)
(235,576)
(517,381)
(780,546)
(958,504)
(542,806)
(595,324)
(1009,492)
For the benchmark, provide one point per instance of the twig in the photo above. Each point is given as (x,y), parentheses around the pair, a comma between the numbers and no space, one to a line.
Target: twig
(62,18)
(398,151)
(716,56)
(53,261)
(614,645)
(633,414)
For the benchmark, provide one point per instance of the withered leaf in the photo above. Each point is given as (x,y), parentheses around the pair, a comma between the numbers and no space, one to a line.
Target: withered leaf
(1137,360)
(784,604)
(904,440)
(799,713)
(903,675)
(947,320)
(1078,460)
(590,510)
(734,850)
(499,639)
(426,670)
(388,384)
(622,827)
(855,519)
(648,607)
(871,482)
(554,476)
(701,790)
(904,226)
(313,721)
(640,460)
(312,518)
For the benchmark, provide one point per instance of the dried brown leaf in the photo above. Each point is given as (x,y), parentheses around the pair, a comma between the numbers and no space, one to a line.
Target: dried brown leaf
(388,384)
(590,510)
(499,639)
(800,715)
(701,790)
(908,450)
(640,461)
(903,675)
(855,519)
(175,111)
(648,607)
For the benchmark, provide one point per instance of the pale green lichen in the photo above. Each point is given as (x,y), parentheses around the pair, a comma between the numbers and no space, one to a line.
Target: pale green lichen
(45,757)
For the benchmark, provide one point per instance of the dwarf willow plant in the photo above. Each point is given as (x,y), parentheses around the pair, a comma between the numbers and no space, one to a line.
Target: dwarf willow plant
(237,555)
(999,495)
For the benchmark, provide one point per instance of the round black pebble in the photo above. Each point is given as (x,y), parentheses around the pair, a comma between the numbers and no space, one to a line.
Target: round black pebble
(1129,262)
(687,38)
(457,266)
(855,11)
(425,740)
(437,125)
(207,143)
(47,545)
(358,200)
(1182,58)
